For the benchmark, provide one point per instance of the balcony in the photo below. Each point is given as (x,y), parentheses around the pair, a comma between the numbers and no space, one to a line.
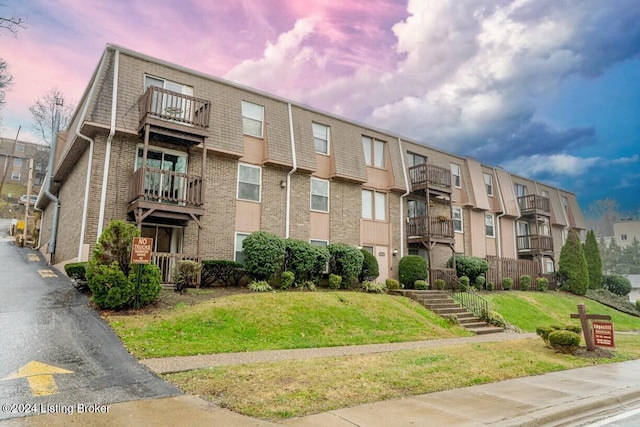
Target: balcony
(534,244)
(166,194)
(174,115)
(429,228)
(533,204)
(432,177)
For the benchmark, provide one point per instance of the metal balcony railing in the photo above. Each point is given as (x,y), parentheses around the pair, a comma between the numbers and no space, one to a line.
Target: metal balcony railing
(165,187)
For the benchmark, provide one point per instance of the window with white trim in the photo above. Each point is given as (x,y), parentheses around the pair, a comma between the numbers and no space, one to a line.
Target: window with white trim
(623,237)
(373,152)
(544,193)
(17,162)
(239,253)
(550,266)
(458,226)
(167,105)
(416,208)
(565,206)
(489,226)
(20,147)
(321,138)
(252,119)
(521,190)
(319,195)
(455,175)
(374,205)
(15,176)
(414,159)
(488,184)
(249,182)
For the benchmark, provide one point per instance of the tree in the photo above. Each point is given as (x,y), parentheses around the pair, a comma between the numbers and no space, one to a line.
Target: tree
(12,24)
(602,214)
(594,262)
(630,258)
(613,255)
(5,80)
(573,271)
(43,112)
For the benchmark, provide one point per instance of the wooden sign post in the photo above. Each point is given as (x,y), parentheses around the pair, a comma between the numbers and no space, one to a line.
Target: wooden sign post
(586,329)
(140,254)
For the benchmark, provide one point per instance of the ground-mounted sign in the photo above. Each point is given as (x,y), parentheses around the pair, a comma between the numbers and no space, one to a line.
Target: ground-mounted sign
(141,250)
(589,337)
(603,334)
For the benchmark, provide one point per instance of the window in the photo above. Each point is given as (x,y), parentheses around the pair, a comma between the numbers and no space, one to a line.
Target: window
(623,237)
(249,179)
(319,195)
(416,208)
(455,175)
(565,206)
(20,147)
(414,159)
(239,253)
(489,226)
(373,152)
(15,176)
(168,105)
(522,228)
(521,190)
(17,162)
(457,219)
(321,138)
(368,249)
(550,266)
(488,183)
(374,205)
(544,226)
(544,193)
(252,119)
(38,166)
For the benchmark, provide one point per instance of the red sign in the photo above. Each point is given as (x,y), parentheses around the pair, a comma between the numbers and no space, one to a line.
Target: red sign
(141,250)
(603,334)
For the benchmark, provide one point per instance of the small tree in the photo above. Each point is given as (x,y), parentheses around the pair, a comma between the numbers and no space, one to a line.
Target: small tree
(573,270)
(263,254)
(370,270)
(594,262)
(412,268)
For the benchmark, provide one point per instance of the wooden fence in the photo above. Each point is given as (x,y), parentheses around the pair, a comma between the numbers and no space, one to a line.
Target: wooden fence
(500,268)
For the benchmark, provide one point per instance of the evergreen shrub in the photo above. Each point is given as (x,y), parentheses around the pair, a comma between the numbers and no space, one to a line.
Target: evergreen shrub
(412,268)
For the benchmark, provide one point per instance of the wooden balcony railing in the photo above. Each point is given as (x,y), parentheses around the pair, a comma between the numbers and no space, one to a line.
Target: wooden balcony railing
(534,243)
(174,107)
(430,226)
(533,203)
(427,174)
(167,261)
(165,187)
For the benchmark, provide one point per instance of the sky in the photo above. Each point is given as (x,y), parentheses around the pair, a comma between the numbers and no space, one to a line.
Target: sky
(546,89)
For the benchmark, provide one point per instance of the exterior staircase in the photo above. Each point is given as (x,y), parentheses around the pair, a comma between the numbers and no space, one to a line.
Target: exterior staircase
(443,305)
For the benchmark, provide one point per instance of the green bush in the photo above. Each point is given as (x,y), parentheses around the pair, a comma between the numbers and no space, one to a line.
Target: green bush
(110,288)
(490,286)
(263,254)
(322,257)
(392,284)
(287,278)
(594,261)
(227,273)
(544,331)
(638,304)
(345,261)
(412,268)
(260,286)
(114,244)
(150,285)
(469,266)
(76,271)
(507,283)
(420,285)
(479,282)
(373,287)
(370,269)
(617,284)
(185,274)
(564,341)
(464,284)
(493,318)
(300,258)
(525,282)
(573,271)
(335,281)
(307,285)
(542,284)
(439,284)
(612,300)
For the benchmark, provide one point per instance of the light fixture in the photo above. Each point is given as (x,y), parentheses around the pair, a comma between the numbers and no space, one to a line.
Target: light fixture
(283,183)
(395,252)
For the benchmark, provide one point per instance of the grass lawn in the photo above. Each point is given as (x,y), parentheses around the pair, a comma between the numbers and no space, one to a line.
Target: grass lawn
(283,320)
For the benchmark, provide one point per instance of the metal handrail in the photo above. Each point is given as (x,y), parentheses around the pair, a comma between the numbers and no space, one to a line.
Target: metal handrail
(468,299)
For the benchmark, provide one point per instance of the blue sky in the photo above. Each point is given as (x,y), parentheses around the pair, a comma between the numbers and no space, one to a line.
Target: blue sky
(547,89)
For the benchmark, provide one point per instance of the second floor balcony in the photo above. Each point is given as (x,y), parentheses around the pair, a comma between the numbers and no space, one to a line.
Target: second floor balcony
(532,204)
(429,228)
(429,176)
(534,244)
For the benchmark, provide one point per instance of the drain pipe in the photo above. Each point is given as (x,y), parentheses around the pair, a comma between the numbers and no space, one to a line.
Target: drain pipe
(291,172)
(51,247)
(85,206)
(498,225)
(107,156)
(406,184)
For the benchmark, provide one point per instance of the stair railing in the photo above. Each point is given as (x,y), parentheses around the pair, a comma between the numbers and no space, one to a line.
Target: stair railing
(468,299)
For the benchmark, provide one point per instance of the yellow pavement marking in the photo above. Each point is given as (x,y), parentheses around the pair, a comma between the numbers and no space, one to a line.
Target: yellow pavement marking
(40,377)
(47,273)
(33,257)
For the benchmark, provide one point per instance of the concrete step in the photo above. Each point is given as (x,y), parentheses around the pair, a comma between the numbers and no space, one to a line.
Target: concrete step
(448,311)
(486,330)
(442,305)
(469,321)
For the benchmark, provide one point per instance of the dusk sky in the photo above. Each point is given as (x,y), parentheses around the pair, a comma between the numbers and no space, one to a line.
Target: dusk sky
(548,89)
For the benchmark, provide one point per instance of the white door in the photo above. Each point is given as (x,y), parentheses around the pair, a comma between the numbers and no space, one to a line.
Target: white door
(382,255)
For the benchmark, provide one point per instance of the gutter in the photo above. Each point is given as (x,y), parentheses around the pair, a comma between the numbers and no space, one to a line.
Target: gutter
(107,156)
(51,247)
(504,212)
(406,184)
(291,172)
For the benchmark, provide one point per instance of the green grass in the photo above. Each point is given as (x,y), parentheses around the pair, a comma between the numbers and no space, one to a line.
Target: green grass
(529,310)
(285,320)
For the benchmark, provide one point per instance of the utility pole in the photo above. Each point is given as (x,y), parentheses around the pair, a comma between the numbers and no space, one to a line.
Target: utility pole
(8,163)
(28,204)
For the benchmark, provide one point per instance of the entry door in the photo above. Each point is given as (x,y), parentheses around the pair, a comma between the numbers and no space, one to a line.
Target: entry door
(382,256)
(163,185)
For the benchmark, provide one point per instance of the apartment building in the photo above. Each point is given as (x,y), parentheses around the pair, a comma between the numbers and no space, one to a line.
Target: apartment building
(198,163)
(14,161)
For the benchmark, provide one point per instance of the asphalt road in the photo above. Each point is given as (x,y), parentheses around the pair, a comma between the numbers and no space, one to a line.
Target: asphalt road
(56,353)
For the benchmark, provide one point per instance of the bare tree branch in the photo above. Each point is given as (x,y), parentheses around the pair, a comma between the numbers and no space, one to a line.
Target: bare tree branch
(43,114)
(11,23)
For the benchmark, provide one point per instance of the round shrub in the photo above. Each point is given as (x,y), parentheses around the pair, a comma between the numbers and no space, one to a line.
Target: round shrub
(373,287)
(185,273)
(287,278)
(321,260)
(412,268)
(543,332)
(617,284)
(439,284)
(76,270)
(263,254)
(564,341)
(420,285)
(110,288)
(345,260)
(507,283)
(464,284)
(469,266)
(300,257)
(335,281)
(370,269)
(490,286)
(150,285)
(542,284)
(479,283)
(392,284)
(525,282)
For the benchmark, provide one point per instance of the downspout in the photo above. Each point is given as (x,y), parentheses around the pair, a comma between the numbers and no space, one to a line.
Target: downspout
(498,226)
(51,247)
(112,131)
(85,206)
(294,162)
(406,184)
